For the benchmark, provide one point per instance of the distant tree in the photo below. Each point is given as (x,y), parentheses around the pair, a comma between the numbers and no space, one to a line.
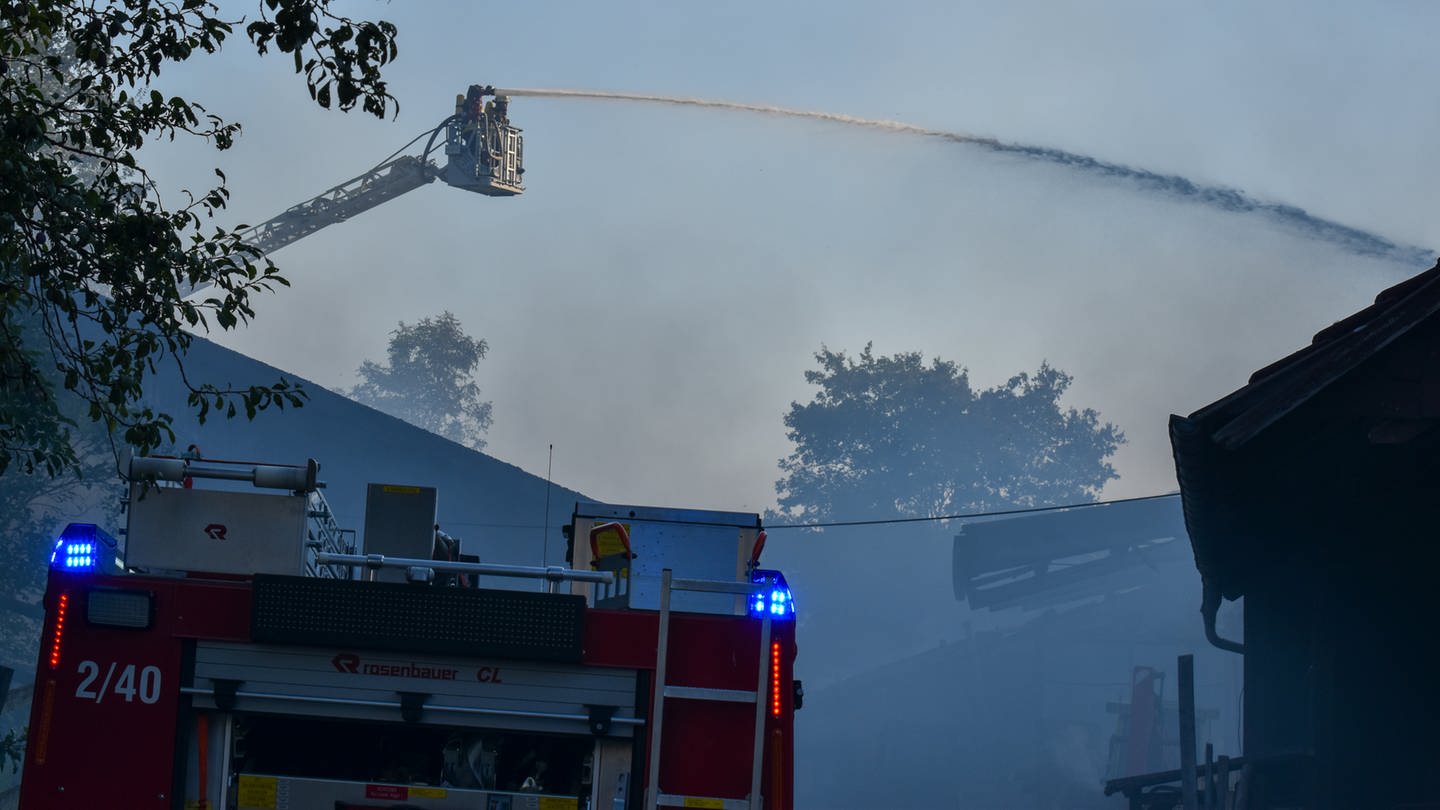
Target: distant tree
(430,380)
(34,507)
(896,437)
(95,265)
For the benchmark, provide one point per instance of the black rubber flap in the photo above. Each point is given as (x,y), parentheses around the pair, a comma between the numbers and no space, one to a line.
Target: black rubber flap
(524,625)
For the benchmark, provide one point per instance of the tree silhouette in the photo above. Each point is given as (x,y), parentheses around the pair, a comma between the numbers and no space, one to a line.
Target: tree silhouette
(896,437)
(95,265)
(429,380)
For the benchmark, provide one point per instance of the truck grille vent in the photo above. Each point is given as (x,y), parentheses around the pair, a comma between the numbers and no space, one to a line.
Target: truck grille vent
(523,625)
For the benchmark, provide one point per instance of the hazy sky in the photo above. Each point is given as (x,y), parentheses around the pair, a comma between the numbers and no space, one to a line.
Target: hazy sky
(654,298)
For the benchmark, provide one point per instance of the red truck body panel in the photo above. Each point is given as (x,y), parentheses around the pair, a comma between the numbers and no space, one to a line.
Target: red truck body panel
(109,722)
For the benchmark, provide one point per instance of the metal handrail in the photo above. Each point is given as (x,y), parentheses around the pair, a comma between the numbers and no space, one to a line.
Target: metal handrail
(394,704)
(718,586)
(553,573)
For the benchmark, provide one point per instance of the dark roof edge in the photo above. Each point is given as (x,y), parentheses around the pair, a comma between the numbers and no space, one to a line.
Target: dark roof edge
(1194,470)
(1396,311)
(1262,379)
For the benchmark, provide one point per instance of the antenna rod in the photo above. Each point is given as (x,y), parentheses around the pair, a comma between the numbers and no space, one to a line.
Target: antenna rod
(545,540)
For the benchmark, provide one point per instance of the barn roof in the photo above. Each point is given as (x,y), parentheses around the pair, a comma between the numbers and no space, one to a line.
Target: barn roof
(1208,441)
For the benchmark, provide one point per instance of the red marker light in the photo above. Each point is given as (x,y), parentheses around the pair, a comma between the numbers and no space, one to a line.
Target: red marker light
(59,632)
(775,678)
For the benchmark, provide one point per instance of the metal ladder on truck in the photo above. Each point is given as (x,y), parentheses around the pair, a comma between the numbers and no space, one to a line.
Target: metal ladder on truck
(653,797)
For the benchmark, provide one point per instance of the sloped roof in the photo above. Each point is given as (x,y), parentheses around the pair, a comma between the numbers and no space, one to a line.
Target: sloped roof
(1203,440)
(497,508)
(1284,385)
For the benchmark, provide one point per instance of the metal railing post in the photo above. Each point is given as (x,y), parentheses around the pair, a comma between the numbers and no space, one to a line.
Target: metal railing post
(657,708)
(761,701)
(1189,799)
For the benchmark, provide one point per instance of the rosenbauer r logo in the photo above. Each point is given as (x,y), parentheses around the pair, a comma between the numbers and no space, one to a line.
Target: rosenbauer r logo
(351,664)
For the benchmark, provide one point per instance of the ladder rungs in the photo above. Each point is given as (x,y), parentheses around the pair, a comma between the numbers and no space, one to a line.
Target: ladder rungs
(672,800)
(702,693)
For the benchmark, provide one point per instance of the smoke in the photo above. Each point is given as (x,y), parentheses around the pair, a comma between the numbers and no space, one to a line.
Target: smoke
(1221,198)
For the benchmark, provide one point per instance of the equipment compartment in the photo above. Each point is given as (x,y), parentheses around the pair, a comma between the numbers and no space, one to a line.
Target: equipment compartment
(307,759)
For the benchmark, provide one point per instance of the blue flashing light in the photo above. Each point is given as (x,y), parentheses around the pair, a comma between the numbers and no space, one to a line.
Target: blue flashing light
(82,547)
(777,601)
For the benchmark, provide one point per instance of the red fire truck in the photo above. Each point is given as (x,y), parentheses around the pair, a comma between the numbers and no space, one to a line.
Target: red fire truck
(242,652)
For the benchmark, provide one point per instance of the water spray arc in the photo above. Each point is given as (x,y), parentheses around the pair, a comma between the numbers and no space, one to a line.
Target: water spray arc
(1220,198)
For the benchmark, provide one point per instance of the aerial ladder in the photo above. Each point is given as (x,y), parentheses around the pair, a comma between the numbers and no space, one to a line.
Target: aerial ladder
(484,153)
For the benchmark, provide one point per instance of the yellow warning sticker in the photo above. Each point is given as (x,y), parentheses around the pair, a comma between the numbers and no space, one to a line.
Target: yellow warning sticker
(257,792)
(558,803)
(427,793)
(402,490)
(609,541)
(695,801)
